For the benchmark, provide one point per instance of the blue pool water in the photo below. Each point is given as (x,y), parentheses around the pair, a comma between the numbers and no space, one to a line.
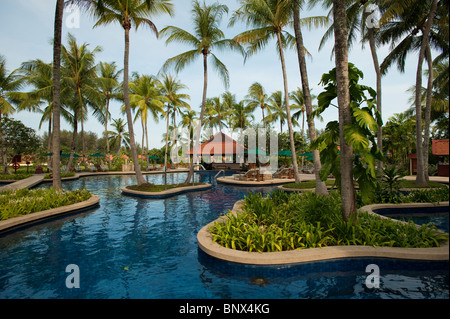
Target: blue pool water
(139,248)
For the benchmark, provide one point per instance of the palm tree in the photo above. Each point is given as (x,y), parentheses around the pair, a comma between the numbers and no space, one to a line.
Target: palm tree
(269,19)
(147,98)
(277,110)
(242,114)
(206,38)
(320,185)
(170,88)
(108,85)
(39,76)
(187,121)
(257,97)
(57,41)
(79,76)
(229,100)
(299,103)
(119,136)
(348,197)
(9,82)
(403,23)
(129,13)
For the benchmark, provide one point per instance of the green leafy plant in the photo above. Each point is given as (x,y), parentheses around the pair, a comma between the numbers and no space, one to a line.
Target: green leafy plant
(25,201)
(283,221)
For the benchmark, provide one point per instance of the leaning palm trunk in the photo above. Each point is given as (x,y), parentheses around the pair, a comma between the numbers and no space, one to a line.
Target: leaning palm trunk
(288,111)
(426,135)
(202,112)
(421,178)
(321,188)
(57,184)
(376,65)
(348,198)
(139,176)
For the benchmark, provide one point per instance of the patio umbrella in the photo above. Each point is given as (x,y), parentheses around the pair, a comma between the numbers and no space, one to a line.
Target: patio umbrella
(285,153)
(48,154)
(256,151)
(97,155)
(68,155)
(308,155)
(153,157)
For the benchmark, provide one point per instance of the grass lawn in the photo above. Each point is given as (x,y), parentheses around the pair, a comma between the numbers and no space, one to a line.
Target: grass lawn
(151,188)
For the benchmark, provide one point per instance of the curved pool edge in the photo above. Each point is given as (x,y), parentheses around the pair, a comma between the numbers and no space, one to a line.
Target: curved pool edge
(206,244)
(165,194)
(25,220)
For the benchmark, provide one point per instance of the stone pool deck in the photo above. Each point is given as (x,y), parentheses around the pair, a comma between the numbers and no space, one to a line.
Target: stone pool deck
(205,242)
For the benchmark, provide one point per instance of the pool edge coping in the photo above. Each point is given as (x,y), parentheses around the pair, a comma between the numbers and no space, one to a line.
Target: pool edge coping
(165,193)
(19,221)
(206,244)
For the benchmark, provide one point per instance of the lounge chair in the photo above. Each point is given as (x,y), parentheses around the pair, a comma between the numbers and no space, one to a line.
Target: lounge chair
(283,173)
(249,175)
(103,168)
(92,168)
(77,168)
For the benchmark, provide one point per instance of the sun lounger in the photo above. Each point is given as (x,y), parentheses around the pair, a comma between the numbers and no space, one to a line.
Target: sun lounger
(103,168)
(92,168)
(249,175)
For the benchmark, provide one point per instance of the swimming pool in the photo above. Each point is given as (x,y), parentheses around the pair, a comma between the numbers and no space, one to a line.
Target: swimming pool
(139,248)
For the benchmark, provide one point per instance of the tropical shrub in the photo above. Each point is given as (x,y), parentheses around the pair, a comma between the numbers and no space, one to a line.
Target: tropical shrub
(283,221)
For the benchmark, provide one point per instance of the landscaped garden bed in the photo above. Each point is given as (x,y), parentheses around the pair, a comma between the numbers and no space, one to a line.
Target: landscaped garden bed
(283,222)
(24,201)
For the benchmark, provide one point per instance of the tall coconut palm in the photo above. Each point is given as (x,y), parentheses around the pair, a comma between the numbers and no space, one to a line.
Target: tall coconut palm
(277,109)
(301,52)
(170,87)
(348,197)
(258,97)
(108,85)
(269,18)
(57,42)
(146,97)
(119,136)
(9,82)
(207,37)
(129,13)
(408,28)
(38,75)
(79,73)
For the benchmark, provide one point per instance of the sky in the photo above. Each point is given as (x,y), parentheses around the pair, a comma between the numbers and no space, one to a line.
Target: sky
(27,30)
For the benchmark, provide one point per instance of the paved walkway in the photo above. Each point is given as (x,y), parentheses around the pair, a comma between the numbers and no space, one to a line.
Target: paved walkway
(24,183)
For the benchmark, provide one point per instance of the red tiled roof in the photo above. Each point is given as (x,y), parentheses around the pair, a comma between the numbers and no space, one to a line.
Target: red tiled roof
(219,144)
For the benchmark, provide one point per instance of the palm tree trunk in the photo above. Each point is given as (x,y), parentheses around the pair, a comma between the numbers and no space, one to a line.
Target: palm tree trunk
(420,178)
(376,65)
(167,149)
(57,184)
(426,135)
(288,111)
(139,176)
(348,198)
(74,139)
(202,112)
(321,187)
(106,135)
